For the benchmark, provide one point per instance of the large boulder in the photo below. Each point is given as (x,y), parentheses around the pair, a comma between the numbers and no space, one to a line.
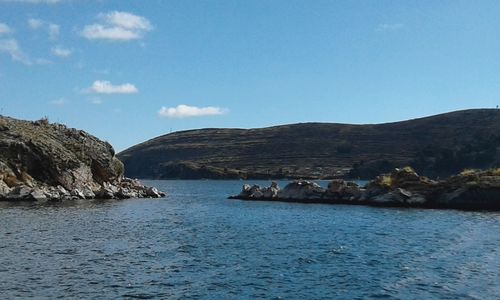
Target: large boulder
(400,197)
(471,189)
(4,188)
(400,187)
(271,192)
(302,190)
(256,192)
(341,190)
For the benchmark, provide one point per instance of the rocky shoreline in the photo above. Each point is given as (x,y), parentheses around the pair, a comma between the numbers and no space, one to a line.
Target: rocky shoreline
(470,190)
(40,161)
(125,188)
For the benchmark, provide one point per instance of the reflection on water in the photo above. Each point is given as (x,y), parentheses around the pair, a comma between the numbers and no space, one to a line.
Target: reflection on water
(196,243)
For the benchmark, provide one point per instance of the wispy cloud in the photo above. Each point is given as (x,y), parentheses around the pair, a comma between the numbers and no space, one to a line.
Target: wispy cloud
(186,111)
(117,26)
(389,27)
(105,87)
(95,100)
(61,51)
(58,102)
(35,23)
(11,47)
(4,29)
(51,28)
(33,1)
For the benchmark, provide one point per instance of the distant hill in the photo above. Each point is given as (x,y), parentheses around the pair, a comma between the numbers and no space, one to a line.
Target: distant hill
(435,146)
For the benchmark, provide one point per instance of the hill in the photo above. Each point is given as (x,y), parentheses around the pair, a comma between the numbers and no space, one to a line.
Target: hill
(43,161)
(438,145)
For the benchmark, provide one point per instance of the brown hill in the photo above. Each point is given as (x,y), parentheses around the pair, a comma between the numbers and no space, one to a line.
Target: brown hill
(435,146)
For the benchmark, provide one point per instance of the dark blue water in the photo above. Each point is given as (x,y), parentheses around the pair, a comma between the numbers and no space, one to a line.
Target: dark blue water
(197,244)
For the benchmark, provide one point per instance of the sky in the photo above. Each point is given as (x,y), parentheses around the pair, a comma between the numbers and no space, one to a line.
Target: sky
(127,71)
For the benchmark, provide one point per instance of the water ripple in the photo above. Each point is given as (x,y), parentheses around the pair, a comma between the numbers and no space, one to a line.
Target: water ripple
(197,244)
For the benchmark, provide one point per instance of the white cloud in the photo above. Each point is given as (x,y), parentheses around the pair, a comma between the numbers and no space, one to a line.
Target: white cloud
(61,51)
(105,87)
(117,26)
(100,32)
(127,20)
(389,27)
(186,111)
(51,28)
(11,47)
(4,29)
(35,23)
(58,102)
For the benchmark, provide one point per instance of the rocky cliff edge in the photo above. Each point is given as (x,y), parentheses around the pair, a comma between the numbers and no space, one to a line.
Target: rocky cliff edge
(44,161)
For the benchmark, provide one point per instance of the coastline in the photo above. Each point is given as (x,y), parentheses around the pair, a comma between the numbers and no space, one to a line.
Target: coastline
(469,190)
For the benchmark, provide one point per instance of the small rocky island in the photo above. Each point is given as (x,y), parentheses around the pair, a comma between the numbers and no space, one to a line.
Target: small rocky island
(40,161)
(471,189)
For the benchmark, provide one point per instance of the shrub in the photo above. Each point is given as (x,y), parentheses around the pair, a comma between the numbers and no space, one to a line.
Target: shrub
(468,172)
(118,167)
(495,172)
(385,180)
(43,121)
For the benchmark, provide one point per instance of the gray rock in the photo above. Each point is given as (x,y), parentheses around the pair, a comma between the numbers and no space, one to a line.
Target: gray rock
(62,191)
(398,196)
(105,193)
(336,186)
(257,194)
(38,194)
(339,189)
(301,190)
(77,194)
(246,189)
(270,192)
(153,192)
(20,193)
(88,193)
(125,193)
(417,199)
(4,188)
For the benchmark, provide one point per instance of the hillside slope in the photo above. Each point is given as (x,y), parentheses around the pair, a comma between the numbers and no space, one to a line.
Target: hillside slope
(43,161)
(435,146)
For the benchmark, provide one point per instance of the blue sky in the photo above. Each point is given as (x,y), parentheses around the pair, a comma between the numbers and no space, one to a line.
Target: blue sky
(127,71)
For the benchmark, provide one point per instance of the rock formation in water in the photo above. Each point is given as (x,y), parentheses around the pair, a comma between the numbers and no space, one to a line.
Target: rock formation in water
(471,189)
(436,146)
(43,161)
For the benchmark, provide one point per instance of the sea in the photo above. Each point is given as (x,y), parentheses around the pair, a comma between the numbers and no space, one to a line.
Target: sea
(197,244)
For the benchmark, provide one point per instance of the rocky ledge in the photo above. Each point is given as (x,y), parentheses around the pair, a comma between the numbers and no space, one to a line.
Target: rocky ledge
(471,189)
(42,161)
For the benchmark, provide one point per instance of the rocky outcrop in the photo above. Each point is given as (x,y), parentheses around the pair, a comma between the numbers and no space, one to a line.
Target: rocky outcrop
(402,187)
(43,161)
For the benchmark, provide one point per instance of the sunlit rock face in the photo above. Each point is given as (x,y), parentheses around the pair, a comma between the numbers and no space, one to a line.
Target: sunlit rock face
(43,161)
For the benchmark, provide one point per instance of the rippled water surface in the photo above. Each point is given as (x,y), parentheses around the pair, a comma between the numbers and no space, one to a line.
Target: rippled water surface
(198,244)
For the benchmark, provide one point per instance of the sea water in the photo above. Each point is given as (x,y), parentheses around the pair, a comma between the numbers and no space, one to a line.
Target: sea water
(198,244)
